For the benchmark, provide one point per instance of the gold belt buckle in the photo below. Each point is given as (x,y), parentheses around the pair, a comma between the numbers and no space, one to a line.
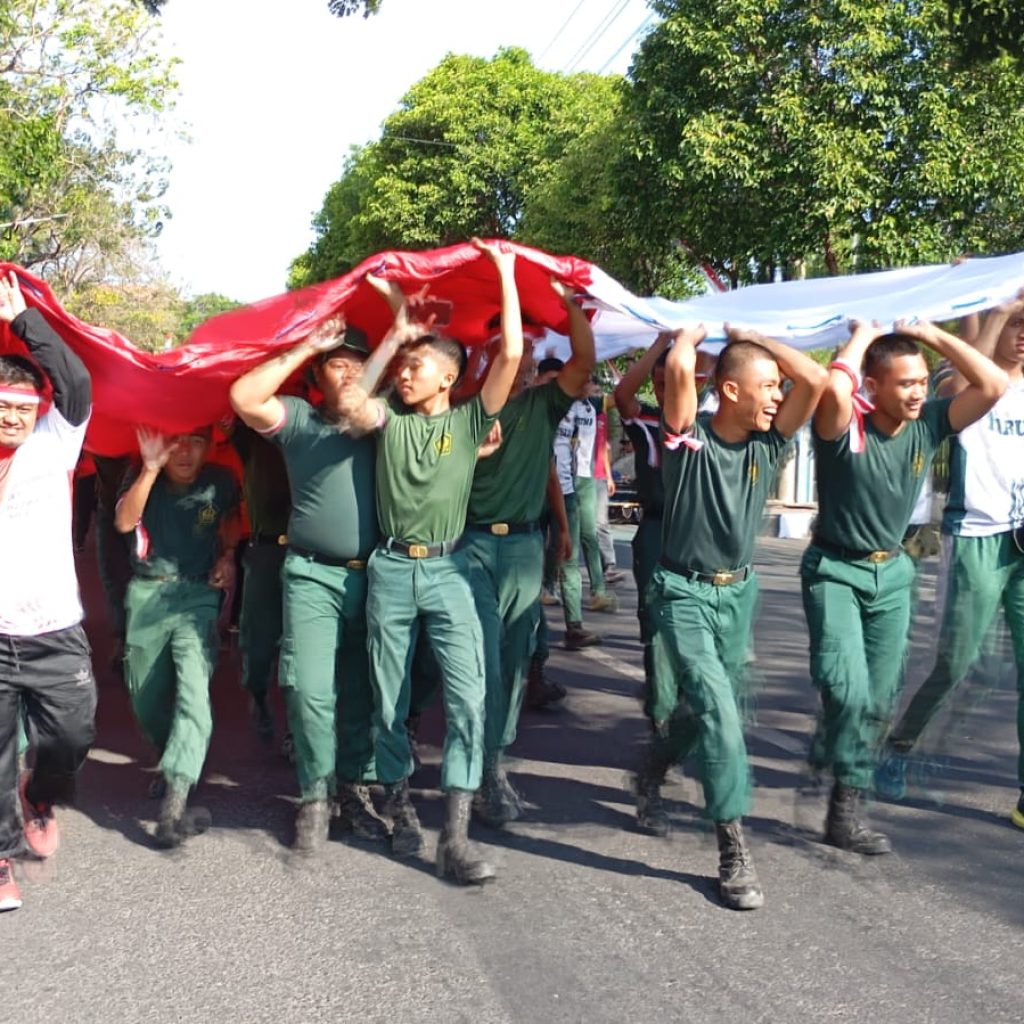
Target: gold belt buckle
(418,551)
(282,538)
(878,556)
(499,529)
(723,578)
(355,563)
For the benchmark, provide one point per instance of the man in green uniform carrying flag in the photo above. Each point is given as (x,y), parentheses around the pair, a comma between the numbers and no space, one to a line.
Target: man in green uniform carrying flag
(717,472)
(419,577)
(183,513)
(505,548)
(871,460)
(332,529)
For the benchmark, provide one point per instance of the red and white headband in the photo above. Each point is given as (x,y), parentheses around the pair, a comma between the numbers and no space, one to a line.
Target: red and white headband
(20,394)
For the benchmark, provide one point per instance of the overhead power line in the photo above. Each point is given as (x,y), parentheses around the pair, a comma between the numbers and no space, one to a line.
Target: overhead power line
(614,13)
(633,35)
(565,25)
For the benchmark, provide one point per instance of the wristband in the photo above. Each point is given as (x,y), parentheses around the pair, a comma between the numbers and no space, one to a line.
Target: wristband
(855,379)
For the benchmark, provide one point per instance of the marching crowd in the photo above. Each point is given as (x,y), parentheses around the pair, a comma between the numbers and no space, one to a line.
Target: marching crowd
(408,511)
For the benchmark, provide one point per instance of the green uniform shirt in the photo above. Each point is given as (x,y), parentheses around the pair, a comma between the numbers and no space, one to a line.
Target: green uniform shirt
(331,474)
(425,470)
(645,434)
(178,534)
(265,483)
(714,496)
(865,498)
(510,485)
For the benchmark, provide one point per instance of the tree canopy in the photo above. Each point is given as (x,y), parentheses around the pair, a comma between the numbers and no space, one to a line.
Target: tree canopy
(75,204)
(782,135)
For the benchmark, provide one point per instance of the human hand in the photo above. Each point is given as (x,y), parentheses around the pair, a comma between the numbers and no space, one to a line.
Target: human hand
(12,302)
(222,576)
(155,448)
(327,335)
(499,253)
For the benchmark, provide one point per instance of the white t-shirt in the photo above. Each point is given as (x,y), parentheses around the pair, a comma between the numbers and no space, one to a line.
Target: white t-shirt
(564,437)
(584,411)
(40,588)
(986,471)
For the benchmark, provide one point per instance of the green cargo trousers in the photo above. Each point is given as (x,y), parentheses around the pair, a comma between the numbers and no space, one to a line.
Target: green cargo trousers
(700,641)
(325,674)
(259,626)
(858,615)
(984,573)
(169,656)
(646,552)
(581,511)
(431,594)
(505,574)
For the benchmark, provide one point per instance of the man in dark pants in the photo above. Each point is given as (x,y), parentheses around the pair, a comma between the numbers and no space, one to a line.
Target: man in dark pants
(45,661)
(267,501)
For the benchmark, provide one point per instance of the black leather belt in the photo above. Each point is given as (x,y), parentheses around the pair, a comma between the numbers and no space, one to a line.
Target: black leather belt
(503,529)
(721,578)
(850,555)
(399,547)
(259,539)
(315,556)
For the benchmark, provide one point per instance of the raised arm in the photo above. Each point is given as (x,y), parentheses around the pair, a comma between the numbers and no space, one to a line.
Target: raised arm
(72,386)
(835,408)
(502,373)
(625,391)
(155,450)
(808,379)
(985,340)
(986,383)
(680,379)
(254,394)
(573,377)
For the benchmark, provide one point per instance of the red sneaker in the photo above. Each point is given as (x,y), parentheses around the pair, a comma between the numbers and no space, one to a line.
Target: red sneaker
(42,834)
(10,896)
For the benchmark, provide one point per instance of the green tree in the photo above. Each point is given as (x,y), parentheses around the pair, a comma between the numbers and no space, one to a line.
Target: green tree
(201,308)
(470,145)
(71,196)
(827,136)
(146,312)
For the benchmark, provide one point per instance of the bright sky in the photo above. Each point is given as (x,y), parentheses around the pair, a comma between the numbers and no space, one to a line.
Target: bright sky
(273,94)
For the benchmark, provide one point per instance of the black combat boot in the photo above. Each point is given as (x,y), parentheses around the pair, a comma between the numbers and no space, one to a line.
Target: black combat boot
(311,824)
(496,802)
(356,814)
(651,816)
(457,858)
(845,830)
(171,826)
(541,692)
(737,879)
(406,834)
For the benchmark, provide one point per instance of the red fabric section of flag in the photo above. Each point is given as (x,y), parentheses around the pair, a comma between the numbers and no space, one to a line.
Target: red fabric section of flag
(188,386)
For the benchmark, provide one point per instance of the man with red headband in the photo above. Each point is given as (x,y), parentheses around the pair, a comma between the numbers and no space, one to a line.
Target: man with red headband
(45,661)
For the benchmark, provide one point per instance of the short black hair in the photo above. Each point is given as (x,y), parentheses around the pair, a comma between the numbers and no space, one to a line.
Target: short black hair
(550,363)
(882,351)
(735,356)
(449,348)
(19,370)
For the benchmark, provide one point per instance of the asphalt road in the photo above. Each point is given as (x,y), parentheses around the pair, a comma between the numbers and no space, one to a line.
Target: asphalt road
(588,921)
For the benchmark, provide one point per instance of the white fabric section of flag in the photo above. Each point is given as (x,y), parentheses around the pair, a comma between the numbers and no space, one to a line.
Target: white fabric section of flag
(813,313)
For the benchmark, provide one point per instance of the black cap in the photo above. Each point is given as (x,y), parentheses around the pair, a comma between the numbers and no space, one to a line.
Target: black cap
(549,364)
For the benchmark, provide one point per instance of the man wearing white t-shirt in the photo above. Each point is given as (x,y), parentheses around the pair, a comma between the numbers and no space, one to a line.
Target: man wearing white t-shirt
(984,518)
(45,662)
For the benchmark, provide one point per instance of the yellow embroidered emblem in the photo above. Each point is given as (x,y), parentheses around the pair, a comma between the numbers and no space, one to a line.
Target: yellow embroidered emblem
(444,444)
(754,473)
(207,515)
(918,464)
